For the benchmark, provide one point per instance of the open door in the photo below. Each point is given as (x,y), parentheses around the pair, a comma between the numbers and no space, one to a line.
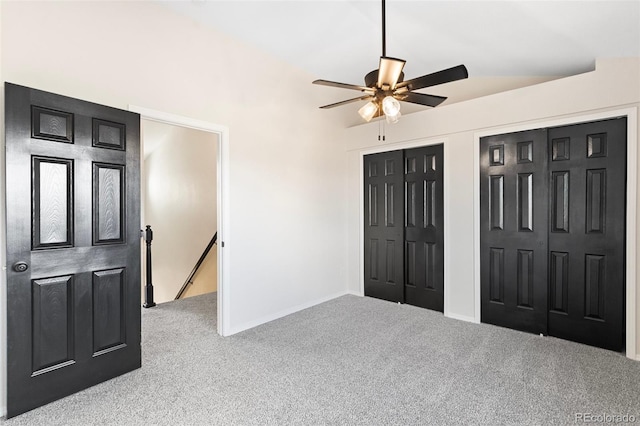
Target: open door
(73,245)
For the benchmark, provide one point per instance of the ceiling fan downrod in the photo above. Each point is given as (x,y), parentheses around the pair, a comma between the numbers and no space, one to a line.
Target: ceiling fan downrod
(384,30)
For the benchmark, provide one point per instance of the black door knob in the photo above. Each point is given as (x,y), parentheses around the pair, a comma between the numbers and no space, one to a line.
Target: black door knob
(20,266)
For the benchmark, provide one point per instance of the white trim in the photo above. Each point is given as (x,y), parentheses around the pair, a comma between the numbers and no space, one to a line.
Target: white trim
(476,228)
(361,227)
(447,229)
(224,282)
(446,200)
(354,293)
(283,313)
(632,194)
(461,317)
(632,188)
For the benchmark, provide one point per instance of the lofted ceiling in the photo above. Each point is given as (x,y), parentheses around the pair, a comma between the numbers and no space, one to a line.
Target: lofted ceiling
(504,44)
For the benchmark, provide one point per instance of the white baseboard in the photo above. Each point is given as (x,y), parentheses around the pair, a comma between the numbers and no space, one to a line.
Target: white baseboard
(268,318)
(3,411)
(632,356)
(461,317)
(354,293)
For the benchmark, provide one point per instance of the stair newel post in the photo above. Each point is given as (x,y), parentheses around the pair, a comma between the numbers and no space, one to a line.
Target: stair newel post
(148,298)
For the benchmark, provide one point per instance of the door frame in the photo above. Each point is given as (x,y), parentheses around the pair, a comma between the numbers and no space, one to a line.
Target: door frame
(631,114)
(445,195)
(222,183)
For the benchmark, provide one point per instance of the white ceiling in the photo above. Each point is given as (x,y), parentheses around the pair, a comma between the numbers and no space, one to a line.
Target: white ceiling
(340,40)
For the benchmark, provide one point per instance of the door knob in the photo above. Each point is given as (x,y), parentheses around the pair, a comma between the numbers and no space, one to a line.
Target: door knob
(20,266)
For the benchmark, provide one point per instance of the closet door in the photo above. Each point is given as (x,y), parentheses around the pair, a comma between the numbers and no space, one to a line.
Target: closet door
(384,227)
(587,169)
(424,223)
(513,233)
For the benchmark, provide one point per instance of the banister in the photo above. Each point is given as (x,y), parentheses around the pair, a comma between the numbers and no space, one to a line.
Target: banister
(195,268)
(148,297)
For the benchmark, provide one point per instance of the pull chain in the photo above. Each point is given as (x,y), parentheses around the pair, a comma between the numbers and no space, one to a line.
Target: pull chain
(382,134)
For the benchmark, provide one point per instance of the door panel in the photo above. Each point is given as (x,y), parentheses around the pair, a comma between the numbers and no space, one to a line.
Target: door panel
(52,202)
(513,233)
(384,227)
(586,242)
(424,227)
(72,188)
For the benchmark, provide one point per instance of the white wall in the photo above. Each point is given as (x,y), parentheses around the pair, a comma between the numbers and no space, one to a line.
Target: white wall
(287,197)
(180,201)
(206,279)
(614,84)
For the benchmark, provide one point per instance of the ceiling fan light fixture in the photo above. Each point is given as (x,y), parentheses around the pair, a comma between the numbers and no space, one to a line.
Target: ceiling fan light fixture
(368,111)
(391,106)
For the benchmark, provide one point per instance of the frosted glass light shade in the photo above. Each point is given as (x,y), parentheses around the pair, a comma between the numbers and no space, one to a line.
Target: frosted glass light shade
(393,119)
(390,106)
(368,111)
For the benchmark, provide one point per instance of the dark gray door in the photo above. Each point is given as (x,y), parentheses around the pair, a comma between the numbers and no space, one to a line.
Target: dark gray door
(587,170)
(424,227)
(73,245)
(553,231)
(404,226)
(384,226)
(513,230)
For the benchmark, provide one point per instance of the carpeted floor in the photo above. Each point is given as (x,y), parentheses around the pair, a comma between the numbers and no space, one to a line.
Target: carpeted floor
(350,361)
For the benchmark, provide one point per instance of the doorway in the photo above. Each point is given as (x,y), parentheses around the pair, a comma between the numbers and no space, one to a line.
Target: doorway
(222,200)
(179,203)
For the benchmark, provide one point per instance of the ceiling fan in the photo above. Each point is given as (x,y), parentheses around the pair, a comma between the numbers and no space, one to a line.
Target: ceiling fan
(385,86)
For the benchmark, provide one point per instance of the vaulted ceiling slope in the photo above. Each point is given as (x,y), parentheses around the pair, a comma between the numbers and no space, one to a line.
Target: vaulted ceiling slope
(504,44)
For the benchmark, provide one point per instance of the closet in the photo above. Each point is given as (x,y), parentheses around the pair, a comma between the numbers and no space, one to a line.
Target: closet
(403,232)
(552,237)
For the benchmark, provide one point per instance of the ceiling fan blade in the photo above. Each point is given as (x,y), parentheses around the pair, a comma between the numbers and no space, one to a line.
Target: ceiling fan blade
(348,101)
(389,71)
(421,98)
(440,77)
(344,85)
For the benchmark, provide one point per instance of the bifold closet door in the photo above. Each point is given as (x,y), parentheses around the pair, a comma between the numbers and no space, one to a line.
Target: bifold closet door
(587,169)
(424,223)
(513,234)
(552,236)
(384,226)
(404,226)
